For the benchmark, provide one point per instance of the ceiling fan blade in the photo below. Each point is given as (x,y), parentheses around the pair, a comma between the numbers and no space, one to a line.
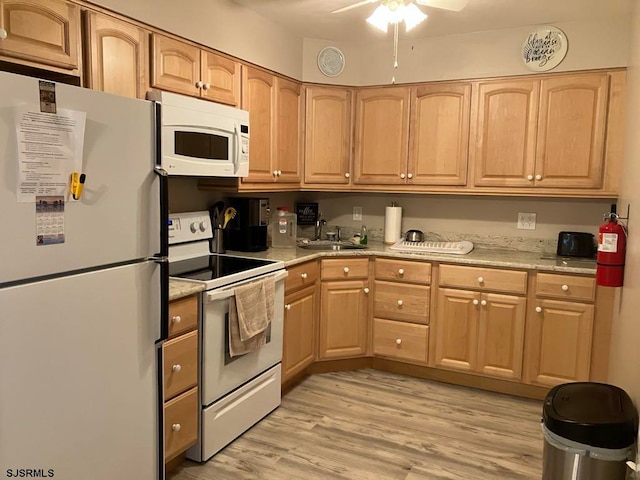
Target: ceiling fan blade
(354,5)
(453,5)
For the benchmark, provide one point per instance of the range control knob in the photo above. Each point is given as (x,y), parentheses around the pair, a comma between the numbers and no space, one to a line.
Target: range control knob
(193,227)
(203,226)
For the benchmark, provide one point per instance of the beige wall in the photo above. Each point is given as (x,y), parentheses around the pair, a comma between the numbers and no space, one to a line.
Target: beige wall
(481,54)
(223,25)
(625,346)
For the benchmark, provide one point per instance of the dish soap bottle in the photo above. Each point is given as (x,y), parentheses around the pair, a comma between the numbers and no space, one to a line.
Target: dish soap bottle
(363,235)
(283,232)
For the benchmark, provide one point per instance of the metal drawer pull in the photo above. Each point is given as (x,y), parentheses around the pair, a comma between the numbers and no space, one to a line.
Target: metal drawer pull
(565,287)
(366,289)
(538,177)
(483,303)
(475,302)
(400,302)
(347,175)
(480,279)
(401,271)
(287,306)
(538,309)
(303,276)
(346,269)
(529,177)
(398,341)
(176,319)
(176,427)
(176,368)
(3,34)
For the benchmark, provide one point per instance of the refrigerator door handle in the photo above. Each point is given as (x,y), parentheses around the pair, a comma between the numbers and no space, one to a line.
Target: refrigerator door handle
(158,259)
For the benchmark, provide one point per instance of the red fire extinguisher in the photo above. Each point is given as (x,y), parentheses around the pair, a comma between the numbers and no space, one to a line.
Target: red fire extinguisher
(612,246)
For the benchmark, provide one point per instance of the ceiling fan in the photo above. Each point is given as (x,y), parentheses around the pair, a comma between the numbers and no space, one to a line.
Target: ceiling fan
(452,5)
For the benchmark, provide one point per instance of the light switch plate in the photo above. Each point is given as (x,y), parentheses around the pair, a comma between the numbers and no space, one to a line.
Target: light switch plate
(526,221)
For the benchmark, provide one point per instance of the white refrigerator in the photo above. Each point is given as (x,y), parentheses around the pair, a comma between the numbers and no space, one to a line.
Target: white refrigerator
(81,322)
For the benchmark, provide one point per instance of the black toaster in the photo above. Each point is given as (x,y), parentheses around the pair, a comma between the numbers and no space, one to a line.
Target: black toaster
(576,244)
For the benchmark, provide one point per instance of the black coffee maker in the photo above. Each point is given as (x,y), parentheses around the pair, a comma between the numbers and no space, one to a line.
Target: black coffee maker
(248,231)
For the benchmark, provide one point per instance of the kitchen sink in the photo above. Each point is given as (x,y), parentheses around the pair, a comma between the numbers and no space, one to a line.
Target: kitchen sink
(329,245)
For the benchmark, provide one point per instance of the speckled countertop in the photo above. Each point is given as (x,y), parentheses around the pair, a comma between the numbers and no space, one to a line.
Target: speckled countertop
(489,257)
(183,288)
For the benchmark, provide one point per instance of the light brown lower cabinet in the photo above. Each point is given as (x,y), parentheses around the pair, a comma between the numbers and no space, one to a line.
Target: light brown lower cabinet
(400,340)
(180,423)
(300,324)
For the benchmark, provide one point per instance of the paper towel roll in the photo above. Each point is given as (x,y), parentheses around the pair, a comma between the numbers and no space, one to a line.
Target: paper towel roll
(392,225)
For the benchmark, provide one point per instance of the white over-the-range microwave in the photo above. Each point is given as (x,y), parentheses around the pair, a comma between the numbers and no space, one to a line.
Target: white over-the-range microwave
(201,138)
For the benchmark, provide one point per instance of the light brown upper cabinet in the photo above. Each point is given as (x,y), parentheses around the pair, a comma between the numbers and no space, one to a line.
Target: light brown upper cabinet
(382,136)
(540,133)
(43,32)
(275,114)
(183,68)
(116,55)
(328,134)
(431,149)
(439,134)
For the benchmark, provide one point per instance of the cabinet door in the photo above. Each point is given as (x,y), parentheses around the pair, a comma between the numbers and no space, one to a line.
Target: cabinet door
(571,131)
(221,79)
(328,135)
(300,314)
(176,66)
(503,133)
(289,131)
(343,319)
(116,53)
(382,136)
(41,31)
(559,342)
(259,98)
(501,335)
(439,133)
(456,329)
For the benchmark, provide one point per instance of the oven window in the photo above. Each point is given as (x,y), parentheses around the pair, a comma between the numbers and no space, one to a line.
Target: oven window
(202,145)
(227,357)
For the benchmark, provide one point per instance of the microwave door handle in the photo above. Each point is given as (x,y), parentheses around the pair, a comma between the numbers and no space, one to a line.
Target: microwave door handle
(237,148)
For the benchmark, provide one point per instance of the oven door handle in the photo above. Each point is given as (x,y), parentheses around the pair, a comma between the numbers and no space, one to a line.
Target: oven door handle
(214,296)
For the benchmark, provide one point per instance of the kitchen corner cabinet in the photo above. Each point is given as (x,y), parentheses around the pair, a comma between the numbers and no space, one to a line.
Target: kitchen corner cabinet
(180,377)
(328,133)
(275,116)
(300,319)
(381,136)
(116,56)
(559,329)
(184,68)
(480,321)
(401,302)
(43,33)
(540,133)
(344,309)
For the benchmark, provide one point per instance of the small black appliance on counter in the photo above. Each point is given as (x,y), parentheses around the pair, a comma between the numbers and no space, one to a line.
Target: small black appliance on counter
(247,232)
(576,244)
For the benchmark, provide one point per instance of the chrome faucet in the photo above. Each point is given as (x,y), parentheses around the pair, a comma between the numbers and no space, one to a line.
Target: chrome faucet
(320,222)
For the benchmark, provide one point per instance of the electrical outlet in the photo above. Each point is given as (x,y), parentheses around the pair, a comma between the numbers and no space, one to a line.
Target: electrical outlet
(526,221)
(357,213)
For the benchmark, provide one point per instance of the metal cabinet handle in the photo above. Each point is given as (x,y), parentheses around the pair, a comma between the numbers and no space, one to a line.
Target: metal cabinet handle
(530,177)
(287,306)
(347,175)
(538,309)
(366,290)
(480,279)
(199,84)
(538,177)
(410,176)
(483,303)
(176,368)
(177,319)
(346,269)
(176,427)
(398,341)
(303,276)
(3,34)
(402,175)
(401,271)
(565,288)
(206,86)
(475,302)
(400,303)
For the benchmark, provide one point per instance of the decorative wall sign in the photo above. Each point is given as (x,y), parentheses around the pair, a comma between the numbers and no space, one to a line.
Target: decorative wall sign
(307,213)
(331,61)
(544,48)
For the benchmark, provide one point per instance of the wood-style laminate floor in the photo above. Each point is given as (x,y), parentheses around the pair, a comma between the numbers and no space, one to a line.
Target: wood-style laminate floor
(376,425)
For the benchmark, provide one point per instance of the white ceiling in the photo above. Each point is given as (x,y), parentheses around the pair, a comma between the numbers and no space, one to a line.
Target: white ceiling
(312,18)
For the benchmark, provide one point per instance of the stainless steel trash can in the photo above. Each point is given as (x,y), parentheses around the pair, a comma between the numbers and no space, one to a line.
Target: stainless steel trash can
(589,432)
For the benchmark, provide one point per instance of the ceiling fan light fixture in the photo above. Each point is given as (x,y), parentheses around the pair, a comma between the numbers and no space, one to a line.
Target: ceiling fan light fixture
(413,16)
(380,18)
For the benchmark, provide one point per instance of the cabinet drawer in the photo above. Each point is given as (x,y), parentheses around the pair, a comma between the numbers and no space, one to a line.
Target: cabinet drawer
(301,276)
(343,268)
(565,286)
(180,423)
(397,301)
(479,278)
(183,315)
(180,364)
(403,271)
(404,341)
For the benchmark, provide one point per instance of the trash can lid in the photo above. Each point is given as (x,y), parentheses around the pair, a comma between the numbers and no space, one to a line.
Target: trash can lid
(591,413)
